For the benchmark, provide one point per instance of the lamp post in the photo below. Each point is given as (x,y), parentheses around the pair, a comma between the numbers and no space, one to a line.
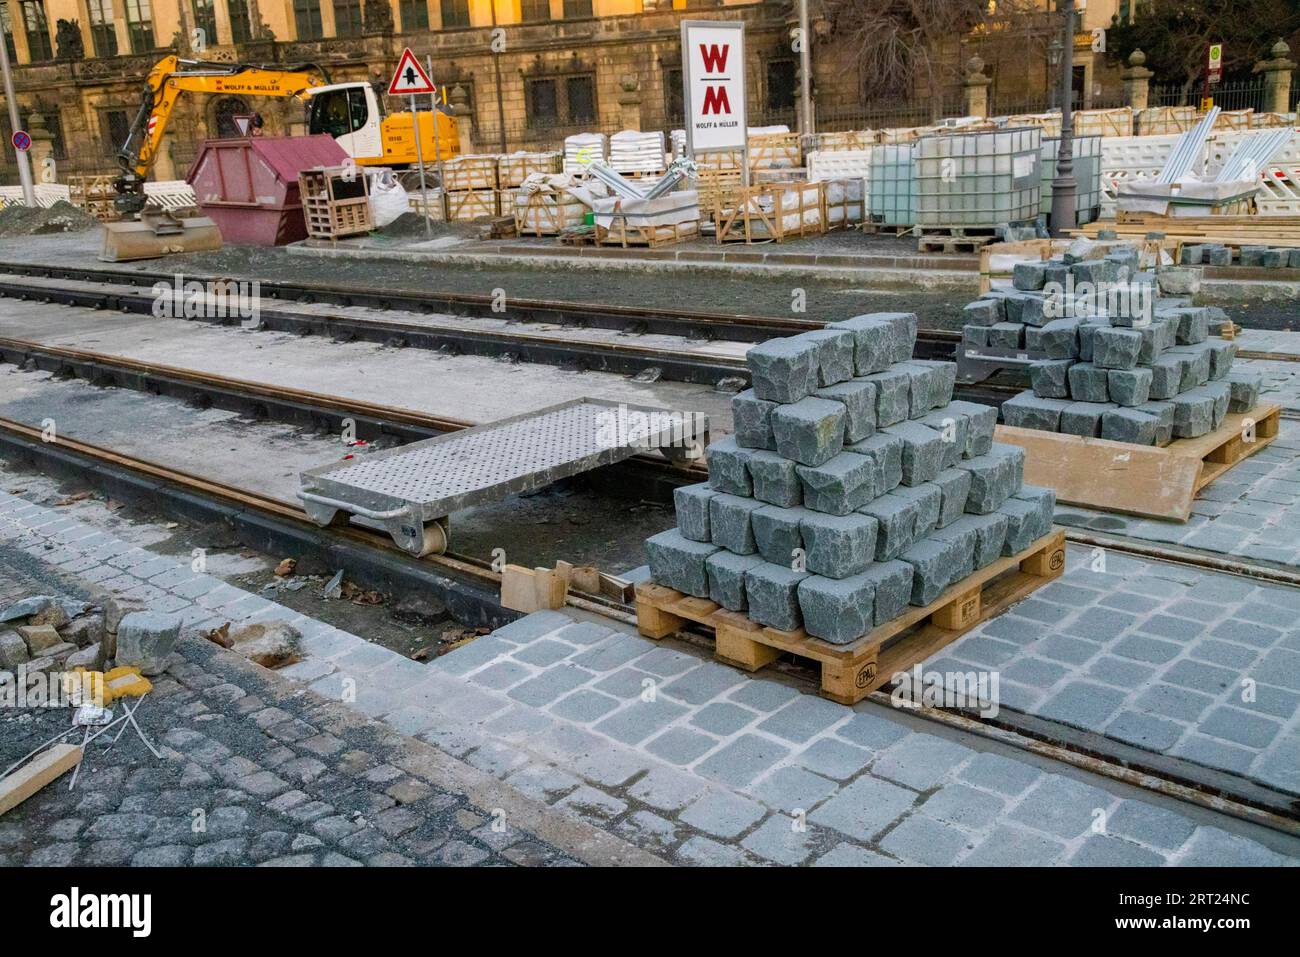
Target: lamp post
(1064,186)
(24,162)
(805,70)
(496,68)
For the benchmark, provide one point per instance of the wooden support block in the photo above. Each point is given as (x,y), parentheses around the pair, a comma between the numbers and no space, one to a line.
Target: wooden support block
(734,644)
(961,613)
(1048,563)
(40,771)
(654,622)
(531,589)
(850,682)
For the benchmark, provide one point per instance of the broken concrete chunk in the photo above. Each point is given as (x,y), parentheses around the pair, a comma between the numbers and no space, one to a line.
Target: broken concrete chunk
(775,480)
(678,562)
(752,420)
(841,485)
(1129,387)
(1024,410)
(145,639)
(834,354)
(810,431)
(837,546)
(837,610)
(893,396)
(776,533)
(692,505)
(785,370)
(729,523)
(773,595)
(886,454)
(728,466)
(90,658)
(271,644)
(726,573)
(922,451)
(1115,348)
(1049,378)
(859,399)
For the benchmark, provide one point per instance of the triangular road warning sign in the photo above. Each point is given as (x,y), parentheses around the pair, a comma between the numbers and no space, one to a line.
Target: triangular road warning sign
(409,77)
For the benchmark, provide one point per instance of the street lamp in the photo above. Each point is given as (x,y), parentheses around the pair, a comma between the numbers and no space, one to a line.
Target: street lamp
(1064,186)
(24,162)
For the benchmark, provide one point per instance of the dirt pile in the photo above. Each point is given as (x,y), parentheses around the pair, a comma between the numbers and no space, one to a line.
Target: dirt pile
(62,217)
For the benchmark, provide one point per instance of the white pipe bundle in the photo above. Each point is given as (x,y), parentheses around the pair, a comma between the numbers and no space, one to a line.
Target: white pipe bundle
(1252,155)
(1187,151)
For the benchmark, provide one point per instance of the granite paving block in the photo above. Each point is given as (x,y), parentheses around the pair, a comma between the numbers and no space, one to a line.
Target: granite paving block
(995,477)
(1216,255)
(982,421)
(838,546)
(1222,352)
(1191,324)
(1026,308)
(896,524)
(922,451)
(1025,410)
(886,454)
(1129,425)
(752,421)
(954,490)
(841,485)
(784,370)
(1088,383)
(810,431)
(1007,335)
(1022,525)
(962,536)
(1095,271)
(933,561)
(773,595)
(893,396)
(1029,275)
(1129,387)
(774,479)
(729,523)
(692,505)
(983,312)
(1044,502)
(928,498)
(1114,348)
(837,610)
(1049,378)
(835,362)
(1164,413)
(1253,255)
(1084,418)
(945,381)
(776,533)
(1196,370)
(1058,339)
(1167,376)
(954,428)
(1243,390)
(679,562)
(728,466)
(859,399)
(990,536)
(1193,414)
(1157,336)
(1222,396)
(880,339)
(892,581)
(726,575)
(974,337)
(923,387)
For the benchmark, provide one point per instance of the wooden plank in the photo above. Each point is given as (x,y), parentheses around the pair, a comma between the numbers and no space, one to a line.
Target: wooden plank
(40,771)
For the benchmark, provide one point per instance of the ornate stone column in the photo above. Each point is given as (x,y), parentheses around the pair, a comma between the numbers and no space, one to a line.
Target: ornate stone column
(459,101)
(1277,78)
(629,102)
(1137,81)
(977,85)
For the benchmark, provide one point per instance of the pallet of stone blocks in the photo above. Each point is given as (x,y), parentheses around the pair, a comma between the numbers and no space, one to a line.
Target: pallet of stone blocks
(854,500)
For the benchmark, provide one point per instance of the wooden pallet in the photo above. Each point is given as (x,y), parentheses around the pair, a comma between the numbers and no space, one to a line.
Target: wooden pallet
(622,233)
(886,229)
(1140,479)
(851,672)
(335,202)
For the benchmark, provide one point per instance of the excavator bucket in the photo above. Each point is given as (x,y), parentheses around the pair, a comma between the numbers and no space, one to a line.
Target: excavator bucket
(158,232)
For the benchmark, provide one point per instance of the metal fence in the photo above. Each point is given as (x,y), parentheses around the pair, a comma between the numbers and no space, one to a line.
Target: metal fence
(1236,95)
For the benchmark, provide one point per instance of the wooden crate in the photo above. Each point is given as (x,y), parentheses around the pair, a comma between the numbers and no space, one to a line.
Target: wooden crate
(95,195)
(1116,122)
(851,672)
(466,173)
(469,204)
(848,140)
(845,212)
(775,151)
(1140,479)
(759,213)
(514,168)
(543,212)
(716,186)
(622,233)
(335,202)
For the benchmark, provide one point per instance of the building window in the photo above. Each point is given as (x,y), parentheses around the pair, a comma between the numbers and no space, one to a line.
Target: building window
(561,101)
(455,13)
(306,17)
(347,18)
(37,29)
(241,30)
(543,106)
(205,19)
(534,11)
(577,9)
(8,26)
(674,106)
(581,94)
(780,84)
(415,15)
(114,127)
(102,32)
(139,24)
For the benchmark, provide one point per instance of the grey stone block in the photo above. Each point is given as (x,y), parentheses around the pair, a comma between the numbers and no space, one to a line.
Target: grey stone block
(728,466)
(1253,255)
(893,396)
(810,431)
(776,533)
(1023,525)
(837,610)
(729,523)
(1196,369)
(835,361)
(1216,255)
(1243,390)
(922,451)
(13,651)
(974,337)
(841,485)
(1222,352)
(1167,376)
(928,498)
(678,562)
(1095,271)
(1193,413)
(726,575)
(954,491)
(752,421)
(1191,324)
(774,479)
(1129,387)
(837,546)
(1087,329)
(773,595)
(692,505)
(1164,413)
(962,537)
(880,339)
(1293,259)
(932,562)
(1043,501)
(145,639)
(954,429)
(1058,339)
(1084,418)
(858,397)
(886,454)
(896,524)
(1275,258)
(1007,335)
(1115,348)
(1026,308)
(1029,275)
(994,477)
(983,312)
(784,370)
(982,420)
(1050,378)
(1089,383)
(1193,255)
(990,536)
(893,588)
(945,381)
(1025,410)
(1129,425)
(1222,395)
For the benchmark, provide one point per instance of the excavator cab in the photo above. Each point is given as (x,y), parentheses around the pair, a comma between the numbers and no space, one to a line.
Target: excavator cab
(349,112)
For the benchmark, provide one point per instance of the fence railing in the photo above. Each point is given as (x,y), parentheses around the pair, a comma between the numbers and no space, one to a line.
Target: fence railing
(1236,95)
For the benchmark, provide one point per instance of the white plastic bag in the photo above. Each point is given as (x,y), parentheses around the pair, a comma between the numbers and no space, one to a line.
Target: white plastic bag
(388,199)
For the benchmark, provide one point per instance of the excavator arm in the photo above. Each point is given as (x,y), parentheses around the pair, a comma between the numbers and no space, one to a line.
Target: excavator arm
(172,76)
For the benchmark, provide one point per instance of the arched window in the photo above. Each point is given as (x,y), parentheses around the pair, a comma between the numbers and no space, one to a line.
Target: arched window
(225,112)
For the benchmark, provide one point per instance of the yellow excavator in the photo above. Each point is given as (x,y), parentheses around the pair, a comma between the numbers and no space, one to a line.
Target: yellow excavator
(352,113)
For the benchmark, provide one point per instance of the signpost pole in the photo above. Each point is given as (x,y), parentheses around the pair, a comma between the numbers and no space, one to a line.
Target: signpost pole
(437,147)
(419,159)
(24,161)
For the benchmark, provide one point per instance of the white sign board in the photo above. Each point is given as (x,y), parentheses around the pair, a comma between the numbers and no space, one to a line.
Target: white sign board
(713,80)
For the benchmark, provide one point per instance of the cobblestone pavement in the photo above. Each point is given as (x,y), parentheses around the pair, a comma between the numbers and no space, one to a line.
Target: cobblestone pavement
(680,756)
(1252,511)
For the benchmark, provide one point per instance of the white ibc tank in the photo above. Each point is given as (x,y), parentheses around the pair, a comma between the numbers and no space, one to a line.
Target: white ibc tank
(978,179)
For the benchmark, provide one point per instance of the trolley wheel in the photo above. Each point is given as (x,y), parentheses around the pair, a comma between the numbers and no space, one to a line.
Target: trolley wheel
(432,540)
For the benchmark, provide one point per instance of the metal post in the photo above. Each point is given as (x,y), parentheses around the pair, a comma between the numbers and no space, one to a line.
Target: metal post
(496,67)
(1065,187)
(24,161)
(437,148)
(805,68)
(419,158)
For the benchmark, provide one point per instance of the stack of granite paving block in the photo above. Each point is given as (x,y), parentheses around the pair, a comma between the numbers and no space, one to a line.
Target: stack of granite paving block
(852,487)
(1144,378)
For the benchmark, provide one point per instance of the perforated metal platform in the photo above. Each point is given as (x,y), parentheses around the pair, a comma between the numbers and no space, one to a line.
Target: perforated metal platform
(409,487)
